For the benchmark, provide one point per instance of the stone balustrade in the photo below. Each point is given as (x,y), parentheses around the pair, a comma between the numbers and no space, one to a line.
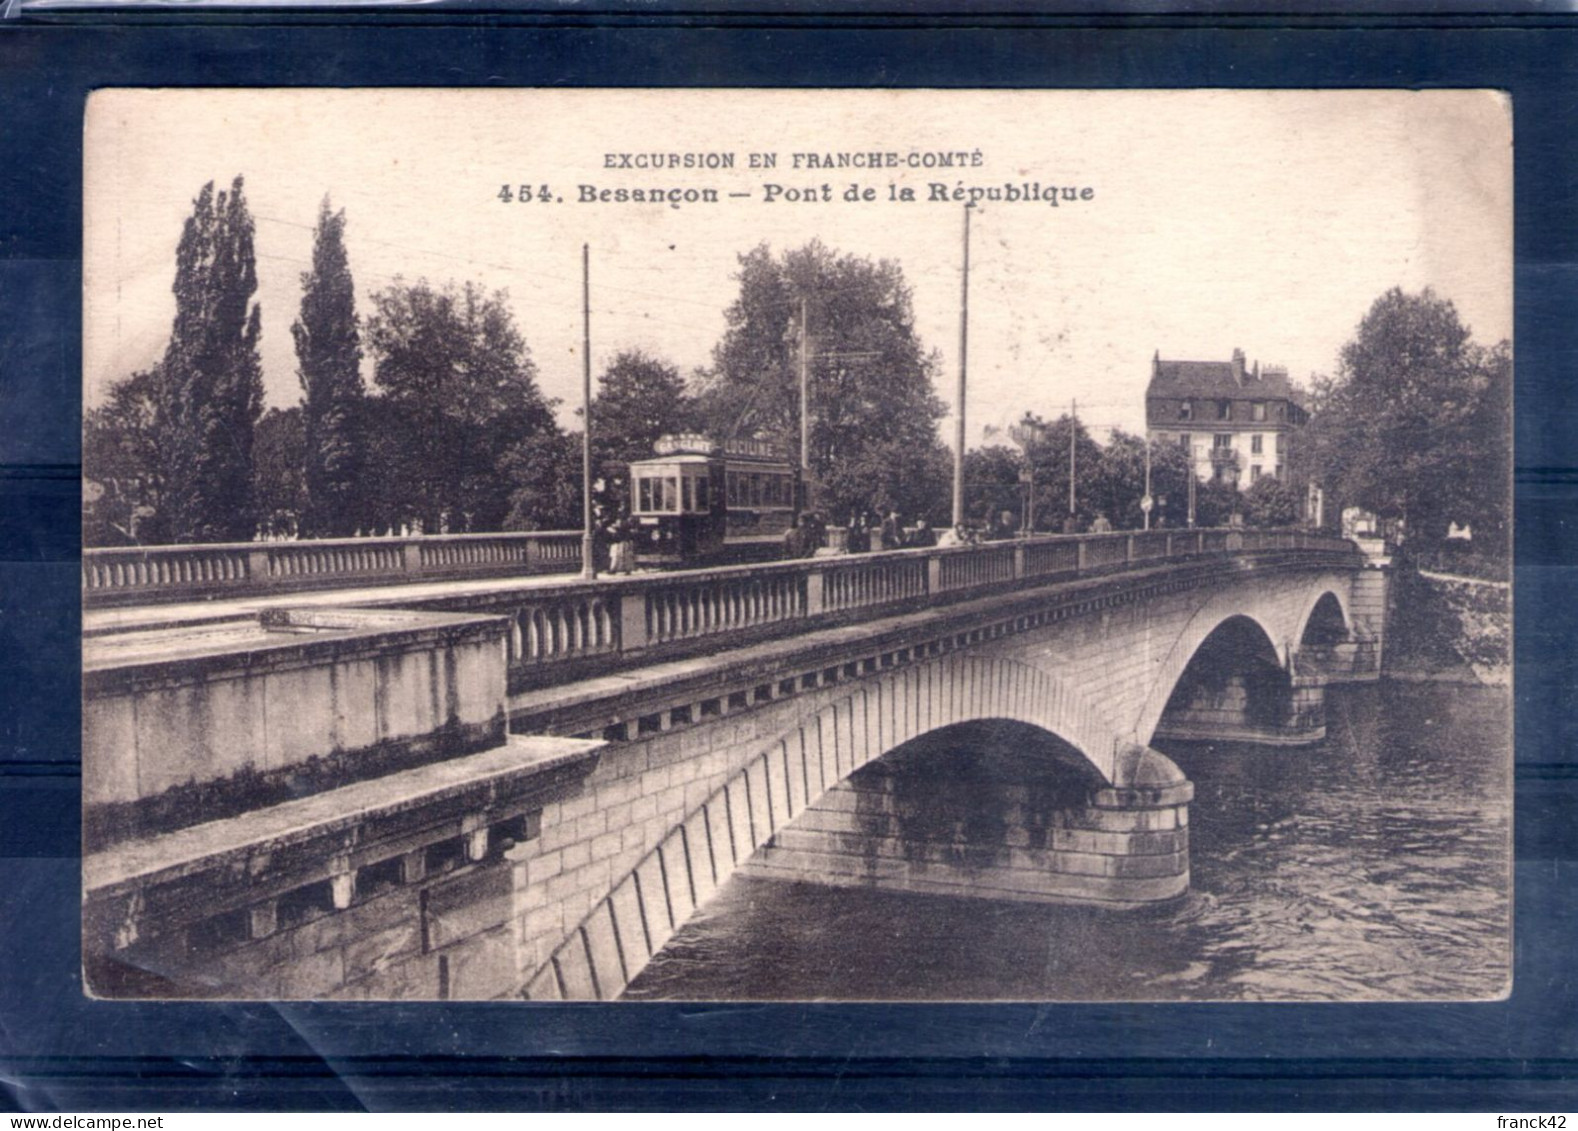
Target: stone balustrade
(153,574)
(558,630)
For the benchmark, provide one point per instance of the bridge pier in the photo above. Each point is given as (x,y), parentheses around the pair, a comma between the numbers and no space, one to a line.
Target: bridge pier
(1028,841)
(1255,707)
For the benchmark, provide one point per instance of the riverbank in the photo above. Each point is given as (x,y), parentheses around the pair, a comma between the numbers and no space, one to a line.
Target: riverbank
(1447,628)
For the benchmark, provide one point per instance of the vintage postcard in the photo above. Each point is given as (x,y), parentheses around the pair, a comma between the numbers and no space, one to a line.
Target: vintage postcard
(797,545)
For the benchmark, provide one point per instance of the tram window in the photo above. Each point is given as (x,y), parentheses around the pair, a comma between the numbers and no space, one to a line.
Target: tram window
(670,494)
(644,492)
(701,495)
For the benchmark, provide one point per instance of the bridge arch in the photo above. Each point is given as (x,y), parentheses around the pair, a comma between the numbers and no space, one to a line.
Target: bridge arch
(646,906)
(1282,616)
(1325,616)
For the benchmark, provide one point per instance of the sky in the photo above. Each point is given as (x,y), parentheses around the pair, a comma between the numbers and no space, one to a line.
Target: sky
(1262,220)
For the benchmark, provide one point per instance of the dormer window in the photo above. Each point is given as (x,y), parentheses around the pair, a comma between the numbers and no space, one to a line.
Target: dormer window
(1224,410)
(1186,410)
(1257,411)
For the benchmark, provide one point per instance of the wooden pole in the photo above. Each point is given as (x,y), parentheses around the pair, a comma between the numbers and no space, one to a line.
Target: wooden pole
(588,564)
(964,339)
(1073,429)
(1148,500)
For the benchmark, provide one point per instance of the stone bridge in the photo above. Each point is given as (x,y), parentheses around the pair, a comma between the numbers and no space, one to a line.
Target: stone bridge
(665,731)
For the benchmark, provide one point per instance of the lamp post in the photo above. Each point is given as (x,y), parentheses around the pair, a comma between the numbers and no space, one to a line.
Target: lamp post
(1027,434)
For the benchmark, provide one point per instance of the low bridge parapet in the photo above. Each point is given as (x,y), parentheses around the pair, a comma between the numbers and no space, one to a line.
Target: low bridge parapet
(564,632)
(146,575)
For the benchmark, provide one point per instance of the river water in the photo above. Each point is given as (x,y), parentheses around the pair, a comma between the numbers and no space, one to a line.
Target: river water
(1372,866)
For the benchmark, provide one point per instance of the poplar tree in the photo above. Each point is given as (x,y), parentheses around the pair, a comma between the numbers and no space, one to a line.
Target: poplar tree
(210,394)
(329,354)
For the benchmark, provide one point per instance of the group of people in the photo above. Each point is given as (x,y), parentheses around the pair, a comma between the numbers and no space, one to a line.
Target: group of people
(870,532)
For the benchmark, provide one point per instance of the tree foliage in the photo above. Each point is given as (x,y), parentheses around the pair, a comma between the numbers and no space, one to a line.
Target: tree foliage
(1046,448)
(329,354)
(460,392)
(209,388)
(1118,483)
(280,459)
(1270,501)
(123,465)
(639,399)
(992,484)
(873,415)
(1416,424)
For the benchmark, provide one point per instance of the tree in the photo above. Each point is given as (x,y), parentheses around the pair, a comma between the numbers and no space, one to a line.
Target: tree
(1049,455)
(1270,502)
(545,473)
(279,482)
(1119,482)
(873,417)
(123,467)
(1216,501)
(459,381)
(329,354)
(1487,502)
(639,399)
(210,387)
(1402,429)
(992,484)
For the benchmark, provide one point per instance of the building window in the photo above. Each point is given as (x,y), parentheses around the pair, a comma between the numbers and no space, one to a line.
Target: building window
(1255,444)
(1224,410)
(1254,472)
(1183,441)
(1257,410)
(1282,442)
(1186,410)
(1222,441)
(1278,472)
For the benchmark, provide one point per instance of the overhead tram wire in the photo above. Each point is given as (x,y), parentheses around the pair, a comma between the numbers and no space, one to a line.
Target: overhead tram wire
(534,301)
(474,262)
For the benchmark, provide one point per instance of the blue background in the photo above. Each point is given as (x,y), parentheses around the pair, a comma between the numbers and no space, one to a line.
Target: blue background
(59,1051)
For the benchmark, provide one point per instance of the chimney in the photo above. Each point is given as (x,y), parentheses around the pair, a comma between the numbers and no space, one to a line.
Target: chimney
(1156,365)
(1256,375)
(1238,366)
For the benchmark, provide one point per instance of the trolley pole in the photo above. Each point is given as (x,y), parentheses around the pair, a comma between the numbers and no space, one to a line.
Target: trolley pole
(964,340)
(588,561)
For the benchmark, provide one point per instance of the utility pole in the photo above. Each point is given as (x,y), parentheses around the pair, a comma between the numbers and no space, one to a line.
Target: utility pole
(588,564)
(964,339)
(1147,502)
(805,402)
(1073,429)
(1191,490)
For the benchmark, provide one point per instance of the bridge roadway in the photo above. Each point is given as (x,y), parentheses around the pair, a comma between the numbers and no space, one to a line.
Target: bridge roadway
(698,716)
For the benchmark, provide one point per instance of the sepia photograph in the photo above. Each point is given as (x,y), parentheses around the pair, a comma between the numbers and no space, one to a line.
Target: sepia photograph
(816,545)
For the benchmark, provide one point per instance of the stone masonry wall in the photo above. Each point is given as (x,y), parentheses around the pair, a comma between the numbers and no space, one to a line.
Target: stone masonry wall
(667,816)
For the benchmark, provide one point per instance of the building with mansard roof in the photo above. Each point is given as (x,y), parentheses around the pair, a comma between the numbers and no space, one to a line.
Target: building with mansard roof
(1233,419)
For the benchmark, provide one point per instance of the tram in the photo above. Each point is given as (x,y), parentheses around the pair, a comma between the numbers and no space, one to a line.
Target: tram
(697,502)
